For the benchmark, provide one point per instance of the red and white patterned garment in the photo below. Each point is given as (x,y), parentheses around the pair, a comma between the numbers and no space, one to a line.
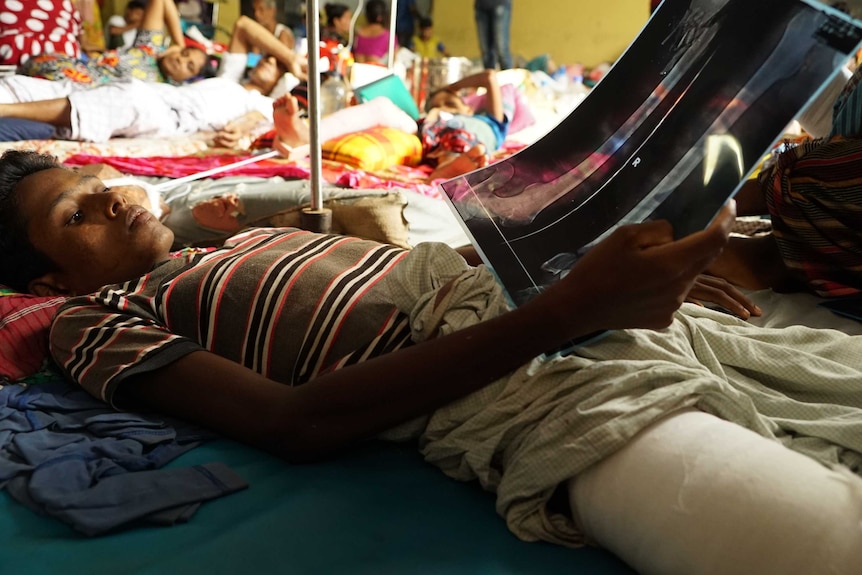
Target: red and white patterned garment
(32,27)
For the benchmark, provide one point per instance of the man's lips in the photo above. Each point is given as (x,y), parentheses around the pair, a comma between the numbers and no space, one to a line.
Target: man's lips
(136,216)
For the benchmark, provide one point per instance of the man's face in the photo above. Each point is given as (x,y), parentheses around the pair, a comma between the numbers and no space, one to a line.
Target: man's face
(264,14)
(265,74)
(94,235)
(449,102)
(134,16)
(426,33)
(181,64)
(342,24)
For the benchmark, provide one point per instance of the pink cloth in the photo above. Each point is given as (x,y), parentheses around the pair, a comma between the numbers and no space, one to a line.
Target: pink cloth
(24,332)
(374,46)
(521,118)
(333,172)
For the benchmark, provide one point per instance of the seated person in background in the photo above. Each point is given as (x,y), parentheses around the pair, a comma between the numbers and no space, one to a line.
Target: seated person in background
(145,60)
(371,41)
(123,28)
(57,30)
(265,12)
(812,194)
(338,22)
(347,343)
(425,43)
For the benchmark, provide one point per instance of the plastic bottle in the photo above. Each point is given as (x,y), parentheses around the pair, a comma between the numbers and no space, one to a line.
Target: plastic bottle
(333,94)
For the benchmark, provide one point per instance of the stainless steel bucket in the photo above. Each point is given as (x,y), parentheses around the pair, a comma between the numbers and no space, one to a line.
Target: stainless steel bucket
(428,75)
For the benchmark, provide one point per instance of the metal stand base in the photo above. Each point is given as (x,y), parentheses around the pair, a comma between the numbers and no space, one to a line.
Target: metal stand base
(319,221)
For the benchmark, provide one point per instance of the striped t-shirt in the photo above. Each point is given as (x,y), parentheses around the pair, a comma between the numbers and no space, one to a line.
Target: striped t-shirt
(288,304)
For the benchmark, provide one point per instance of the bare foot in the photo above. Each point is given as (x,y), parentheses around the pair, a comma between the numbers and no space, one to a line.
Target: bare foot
(292,131)
(458,164)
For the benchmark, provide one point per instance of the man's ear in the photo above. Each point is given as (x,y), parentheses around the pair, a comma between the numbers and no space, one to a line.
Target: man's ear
(50,284)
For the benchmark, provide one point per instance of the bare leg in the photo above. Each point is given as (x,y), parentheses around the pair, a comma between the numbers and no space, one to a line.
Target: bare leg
(57,112)
(162,14)
(456,164)
(248,36)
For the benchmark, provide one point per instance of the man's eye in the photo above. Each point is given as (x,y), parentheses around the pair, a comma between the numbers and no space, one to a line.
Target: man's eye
(76,218)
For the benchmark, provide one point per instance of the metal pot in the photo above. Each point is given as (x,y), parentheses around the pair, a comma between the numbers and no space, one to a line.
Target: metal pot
(429,75)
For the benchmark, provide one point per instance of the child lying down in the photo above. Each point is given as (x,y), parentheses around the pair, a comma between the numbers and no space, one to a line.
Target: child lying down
(686,441)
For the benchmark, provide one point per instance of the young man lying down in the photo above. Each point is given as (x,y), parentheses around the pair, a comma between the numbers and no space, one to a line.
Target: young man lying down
(674,441)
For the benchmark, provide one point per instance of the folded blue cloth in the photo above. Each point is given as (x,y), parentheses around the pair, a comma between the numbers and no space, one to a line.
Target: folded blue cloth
(65,454)
(17,129)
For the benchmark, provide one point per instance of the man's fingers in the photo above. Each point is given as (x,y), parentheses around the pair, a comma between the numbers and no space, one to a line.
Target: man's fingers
(700,248)
(650,234)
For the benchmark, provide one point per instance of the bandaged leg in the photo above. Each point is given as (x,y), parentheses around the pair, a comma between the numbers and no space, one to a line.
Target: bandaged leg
(695,494)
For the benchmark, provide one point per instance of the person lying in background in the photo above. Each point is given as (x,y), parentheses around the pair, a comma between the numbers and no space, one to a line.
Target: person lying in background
(249,37)
(455,138)
(134,108)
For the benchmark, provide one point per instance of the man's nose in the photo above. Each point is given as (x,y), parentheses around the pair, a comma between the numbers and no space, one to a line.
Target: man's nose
(114,203)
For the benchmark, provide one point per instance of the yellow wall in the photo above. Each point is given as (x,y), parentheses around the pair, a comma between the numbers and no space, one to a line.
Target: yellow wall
(228,12)
(585,31)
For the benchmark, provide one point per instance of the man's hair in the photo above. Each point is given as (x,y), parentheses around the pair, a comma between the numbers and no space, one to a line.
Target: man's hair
(136,5)
(430,98)
(210,68)
(333,11)
(20,262)
(376,12)
(425,23)
(269,3)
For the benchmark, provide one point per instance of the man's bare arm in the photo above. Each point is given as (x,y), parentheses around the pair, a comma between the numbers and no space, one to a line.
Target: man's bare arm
(493,97)
(636,278)
(57,111)
(249,35)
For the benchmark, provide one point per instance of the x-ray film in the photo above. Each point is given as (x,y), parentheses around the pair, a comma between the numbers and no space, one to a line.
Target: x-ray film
(671,132)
